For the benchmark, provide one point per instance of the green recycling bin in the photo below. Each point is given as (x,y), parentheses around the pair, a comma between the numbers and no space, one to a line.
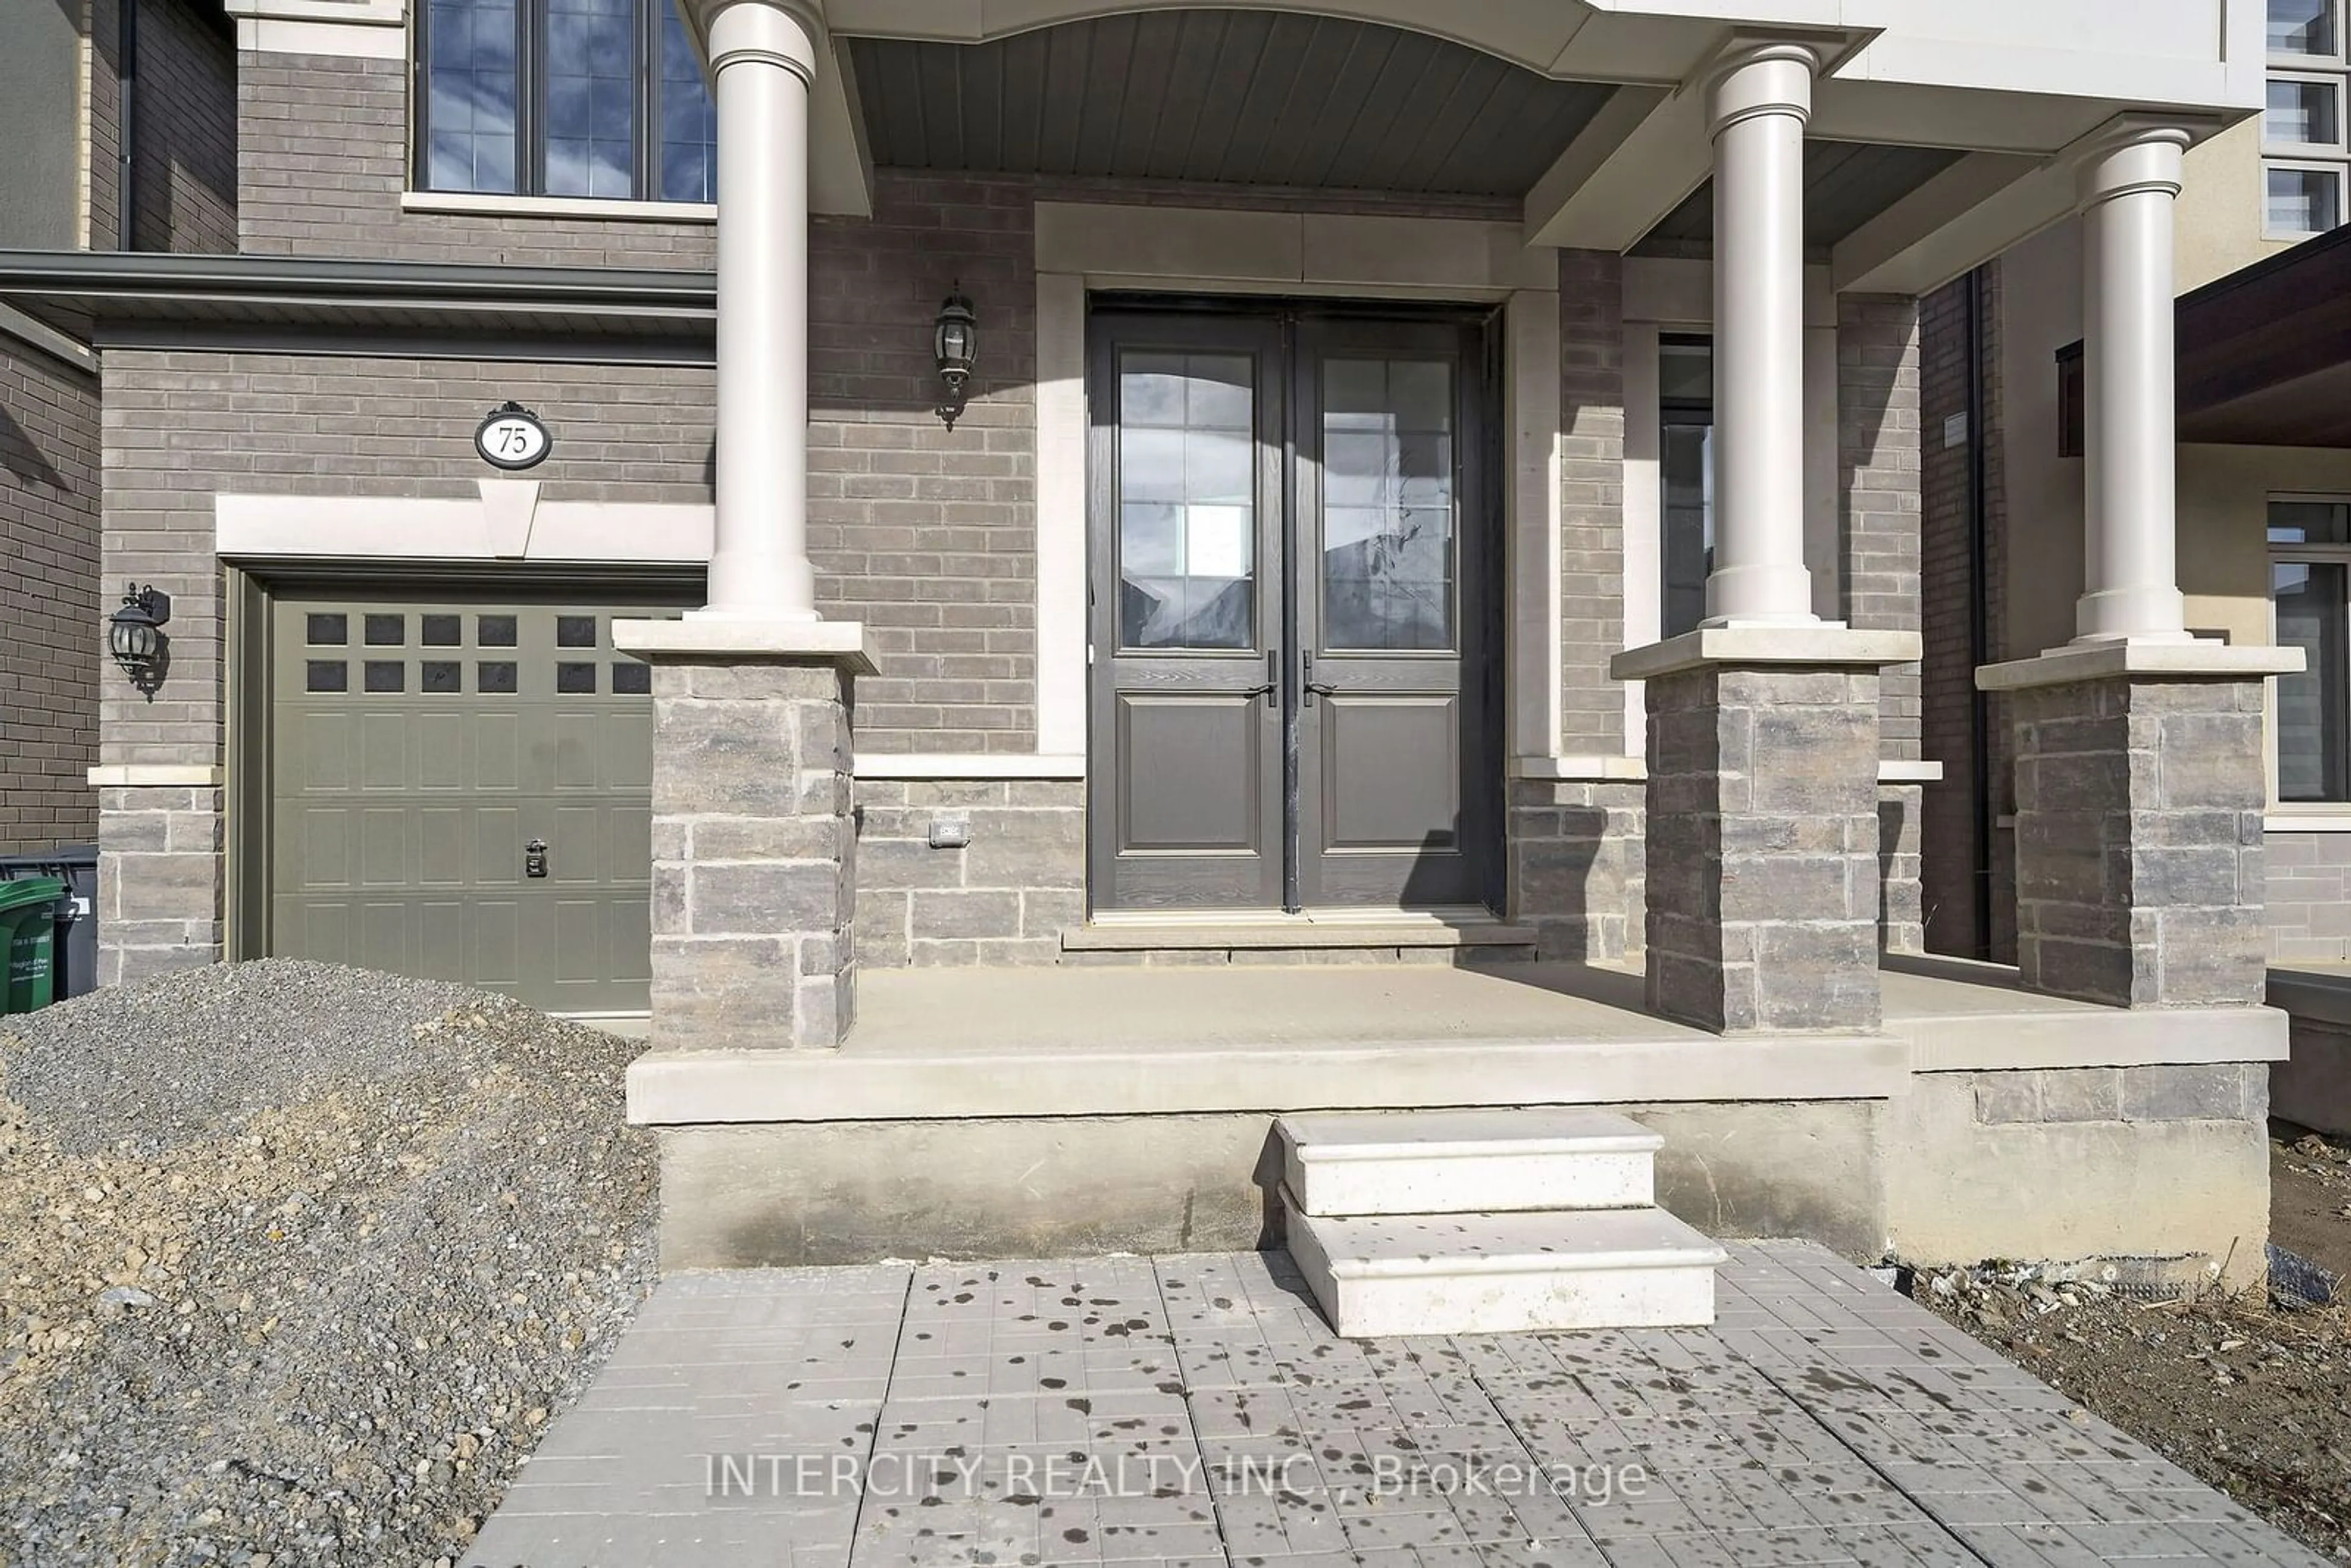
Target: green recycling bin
(28,933)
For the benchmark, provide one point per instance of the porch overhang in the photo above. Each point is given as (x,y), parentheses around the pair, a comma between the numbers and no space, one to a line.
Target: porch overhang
(2264,354)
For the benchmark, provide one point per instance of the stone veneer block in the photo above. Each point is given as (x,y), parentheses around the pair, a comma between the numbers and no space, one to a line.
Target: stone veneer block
(2140,871)
(754,851)
(1762,851)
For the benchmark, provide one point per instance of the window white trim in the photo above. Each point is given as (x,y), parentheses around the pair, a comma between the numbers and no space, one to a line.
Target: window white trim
(2333,158)
(558,207)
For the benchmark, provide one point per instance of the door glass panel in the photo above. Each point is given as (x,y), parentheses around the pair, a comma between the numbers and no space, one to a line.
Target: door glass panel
(1188,501)
(1387,503)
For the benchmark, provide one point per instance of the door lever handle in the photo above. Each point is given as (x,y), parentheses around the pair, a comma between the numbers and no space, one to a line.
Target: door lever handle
(1314,688)
(1272,680)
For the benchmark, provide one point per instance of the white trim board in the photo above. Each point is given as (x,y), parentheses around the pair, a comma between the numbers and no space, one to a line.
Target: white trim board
(559,207)
(967,767)
(506,522)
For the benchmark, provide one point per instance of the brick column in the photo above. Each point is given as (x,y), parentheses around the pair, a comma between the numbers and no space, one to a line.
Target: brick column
(754,876)
(2139,791)
(1762,853)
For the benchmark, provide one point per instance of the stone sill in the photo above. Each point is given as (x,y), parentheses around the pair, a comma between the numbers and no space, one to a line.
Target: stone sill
(155,776)
(1839,647)
(590,207)
(705,638)
(2103,661)
(2305,820)
(1207,932)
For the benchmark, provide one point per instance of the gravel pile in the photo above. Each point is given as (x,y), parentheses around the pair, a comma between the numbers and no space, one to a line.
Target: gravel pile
(296,1261)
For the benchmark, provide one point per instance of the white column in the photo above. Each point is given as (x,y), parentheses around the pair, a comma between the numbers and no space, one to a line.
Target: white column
(1758,104)
(2131,580)
(764,57)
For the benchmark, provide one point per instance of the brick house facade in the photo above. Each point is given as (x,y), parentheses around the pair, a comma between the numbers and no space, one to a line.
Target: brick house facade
(1648,664)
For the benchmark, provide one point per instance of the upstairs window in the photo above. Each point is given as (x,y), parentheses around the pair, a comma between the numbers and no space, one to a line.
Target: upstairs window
(600,98)
(2305,160)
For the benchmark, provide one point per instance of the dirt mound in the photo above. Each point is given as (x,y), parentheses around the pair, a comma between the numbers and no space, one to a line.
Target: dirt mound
(2247,1393)
(298,1261)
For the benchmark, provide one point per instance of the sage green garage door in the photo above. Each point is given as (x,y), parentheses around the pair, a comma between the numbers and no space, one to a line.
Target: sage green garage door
(462,790)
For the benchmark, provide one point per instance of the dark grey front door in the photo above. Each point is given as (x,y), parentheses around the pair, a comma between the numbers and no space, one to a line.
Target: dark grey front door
(1294,688)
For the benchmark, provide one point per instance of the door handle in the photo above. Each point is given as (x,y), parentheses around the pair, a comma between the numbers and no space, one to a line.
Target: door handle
(1315,688)
(534,858)
(1273,679)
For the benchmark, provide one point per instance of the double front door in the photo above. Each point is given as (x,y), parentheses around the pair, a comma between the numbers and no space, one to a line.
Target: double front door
(1294,686)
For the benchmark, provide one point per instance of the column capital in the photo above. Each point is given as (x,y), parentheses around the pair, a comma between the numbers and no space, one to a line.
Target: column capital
(773,32)
(2130,156)
(1756,76)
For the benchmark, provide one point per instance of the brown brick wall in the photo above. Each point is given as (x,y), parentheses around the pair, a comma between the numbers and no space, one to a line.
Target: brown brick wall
(1879,489)
(927,534)
(323,145)
(49,657)
(184,133)
(1592,499)
(103,149)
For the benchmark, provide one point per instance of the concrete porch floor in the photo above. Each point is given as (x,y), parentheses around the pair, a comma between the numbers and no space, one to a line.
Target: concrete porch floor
(1091,1041)
(1194,1409)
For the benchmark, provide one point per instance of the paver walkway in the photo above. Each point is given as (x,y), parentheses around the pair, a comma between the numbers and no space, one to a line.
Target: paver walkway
(1198,1410)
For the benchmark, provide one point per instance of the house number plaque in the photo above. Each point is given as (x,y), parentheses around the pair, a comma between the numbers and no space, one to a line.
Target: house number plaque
(511,436)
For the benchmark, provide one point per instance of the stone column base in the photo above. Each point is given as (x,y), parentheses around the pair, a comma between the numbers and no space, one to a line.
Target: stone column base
(754,874)
(2139,791)
(1762,826)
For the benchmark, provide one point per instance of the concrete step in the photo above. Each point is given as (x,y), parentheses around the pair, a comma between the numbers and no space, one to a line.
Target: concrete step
(1506,1273)
(1467,1162)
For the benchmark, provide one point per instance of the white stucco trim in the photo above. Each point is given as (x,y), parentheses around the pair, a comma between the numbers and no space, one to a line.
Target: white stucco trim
(1062,652)
(506,522)
(367,38)
(1531,508)
(972,766)
(1603,768)
(558,207)
(1087,245)
(157,776)
(1352,255)
(1644,531)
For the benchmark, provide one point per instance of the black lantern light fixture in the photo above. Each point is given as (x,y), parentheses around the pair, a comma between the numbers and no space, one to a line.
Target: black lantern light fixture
(135,636)
(956,340)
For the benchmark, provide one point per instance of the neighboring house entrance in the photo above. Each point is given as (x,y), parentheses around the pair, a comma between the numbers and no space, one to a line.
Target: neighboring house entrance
(1295,680)
(462,789)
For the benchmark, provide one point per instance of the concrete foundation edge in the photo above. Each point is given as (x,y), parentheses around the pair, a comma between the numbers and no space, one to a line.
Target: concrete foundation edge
(1920,1177)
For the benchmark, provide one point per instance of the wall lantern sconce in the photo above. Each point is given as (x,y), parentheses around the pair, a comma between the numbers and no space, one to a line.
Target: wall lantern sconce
(134,634)
(956,340)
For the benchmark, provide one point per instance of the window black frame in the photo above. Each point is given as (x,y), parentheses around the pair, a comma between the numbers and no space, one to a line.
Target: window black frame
(1677,412)
(532,22)
(2336,723)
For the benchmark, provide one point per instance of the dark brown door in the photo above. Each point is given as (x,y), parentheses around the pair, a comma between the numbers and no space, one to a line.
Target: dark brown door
(1294,693)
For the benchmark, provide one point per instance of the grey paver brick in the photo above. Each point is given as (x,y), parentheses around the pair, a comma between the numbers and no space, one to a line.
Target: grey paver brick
(1823,1420)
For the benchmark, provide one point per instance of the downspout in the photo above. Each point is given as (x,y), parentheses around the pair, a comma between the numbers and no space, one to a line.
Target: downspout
(126,77)
(1978,619)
